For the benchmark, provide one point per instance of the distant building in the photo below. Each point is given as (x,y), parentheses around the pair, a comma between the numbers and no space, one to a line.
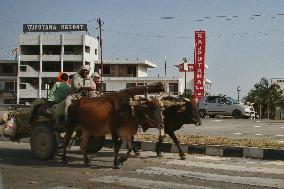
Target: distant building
(190,81)
(118,74)
(42,56)
(8,81)
(121,74)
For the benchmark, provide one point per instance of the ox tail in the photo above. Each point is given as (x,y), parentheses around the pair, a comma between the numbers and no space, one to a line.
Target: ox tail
(71,118)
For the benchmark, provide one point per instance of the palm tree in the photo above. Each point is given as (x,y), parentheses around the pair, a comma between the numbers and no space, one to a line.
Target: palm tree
(266,96)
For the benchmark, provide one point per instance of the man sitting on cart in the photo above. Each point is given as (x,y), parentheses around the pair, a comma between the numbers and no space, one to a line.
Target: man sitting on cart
(57,95)
(82,83)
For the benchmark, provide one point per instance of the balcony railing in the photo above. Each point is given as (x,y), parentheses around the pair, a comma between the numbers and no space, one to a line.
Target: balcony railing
(29,57)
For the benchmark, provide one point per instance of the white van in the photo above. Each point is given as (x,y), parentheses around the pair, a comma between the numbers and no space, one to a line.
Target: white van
(224,106)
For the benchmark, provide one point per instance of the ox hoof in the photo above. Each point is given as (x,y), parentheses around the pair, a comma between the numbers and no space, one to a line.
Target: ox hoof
(137,154)
(118,166)
(64,162)
(90,165)
(183,157)
(160,155)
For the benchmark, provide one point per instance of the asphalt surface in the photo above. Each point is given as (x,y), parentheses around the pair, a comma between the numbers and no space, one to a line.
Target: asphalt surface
(20,170)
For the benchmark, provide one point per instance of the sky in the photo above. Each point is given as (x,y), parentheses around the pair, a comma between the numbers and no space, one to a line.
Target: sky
(245,39)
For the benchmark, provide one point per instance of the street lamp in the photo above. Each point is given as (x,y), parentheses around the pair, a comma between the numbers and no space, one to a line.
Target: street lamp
(185,70)
(238,91)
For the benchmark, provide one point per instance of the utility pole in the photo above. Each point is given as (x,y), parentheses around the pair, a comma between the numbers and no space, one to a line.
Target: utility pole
(185,70)
(238,91)
(99,21)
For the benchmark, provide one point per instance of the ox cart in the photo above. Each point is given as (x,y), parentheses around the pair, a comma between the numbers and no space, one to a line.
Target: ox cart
(45,138)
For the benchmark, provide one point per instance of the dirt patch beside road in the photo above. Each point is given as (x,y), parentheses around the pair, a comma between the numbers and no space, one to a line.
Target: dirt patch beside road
(215,140)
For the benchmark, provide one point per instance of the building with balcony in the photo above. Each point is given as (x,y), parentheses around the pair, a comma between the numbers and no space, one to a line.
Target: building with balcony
(42,56)
(8,81)
(121,74)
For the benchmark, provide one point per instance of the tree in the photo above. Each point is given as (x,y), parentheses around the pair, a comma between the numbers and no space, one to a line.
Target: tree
(266,97)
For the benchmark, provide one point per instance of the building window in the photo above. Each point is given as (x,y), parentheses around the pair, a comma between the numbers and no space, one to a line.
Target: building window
(51,67)
(87,49)
(106,70)
(10,101)
(173,88)
(7,69)
(23,86)
(130,85)
(87,63)
(131,70)
(96,51)
(23,68)
(10,86)
(68,67)
(73,50)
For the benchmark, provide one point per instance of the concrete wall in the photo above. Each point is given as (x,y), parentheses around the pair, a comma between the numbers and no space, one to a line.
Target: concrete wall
(142,71)
(115,84)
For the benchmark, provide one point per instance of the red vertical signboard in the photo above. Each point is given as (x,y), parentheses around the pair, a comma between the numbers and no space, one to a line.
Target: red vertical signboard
(199,62)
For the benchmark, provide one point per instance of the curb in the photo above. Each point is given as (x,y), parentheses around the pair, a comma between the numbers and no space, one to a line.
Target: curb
(212,150)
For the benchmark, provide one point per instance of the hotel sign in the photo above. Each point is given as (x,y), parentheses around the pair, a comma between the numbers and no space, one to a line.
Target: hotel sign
(199,61)
(54,27)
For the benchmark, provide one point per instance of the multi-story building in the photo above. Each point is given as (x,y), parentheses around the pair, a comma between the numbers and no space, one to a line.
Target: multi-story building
(42,56)
(8,81)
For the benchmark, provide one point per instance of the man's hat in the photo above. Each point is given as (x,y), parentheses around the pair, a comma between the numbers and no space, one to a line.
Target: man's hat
(85,67)
(96,75)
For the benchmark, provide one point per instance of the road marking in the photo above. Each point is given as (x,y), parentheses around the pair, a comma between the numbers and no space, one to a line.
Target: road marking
(281,163)
(257,126)
(238,133)
(254,181)
(143,183)
(227,167)
(281,127)
(218,120)
(280,141)
(212,158)
(279,135)
(258,134)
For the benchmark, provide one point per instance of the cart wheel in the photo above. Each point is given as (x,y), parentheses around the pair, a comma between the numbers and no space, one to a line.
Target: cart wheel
(95,144)
(44,142)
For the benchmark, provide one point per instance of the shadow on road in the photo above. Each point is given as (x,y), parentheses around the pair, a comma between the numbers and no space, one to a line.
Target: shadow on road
(24,157)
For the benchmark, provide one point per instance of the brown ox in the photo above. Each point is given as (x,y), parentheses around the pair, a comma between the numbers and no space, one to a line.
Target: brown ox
(175,116)
(110,115)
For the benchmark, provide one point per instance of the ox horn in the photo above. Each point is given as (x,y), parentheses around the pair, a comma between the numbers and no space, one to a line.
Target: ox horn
(185,99)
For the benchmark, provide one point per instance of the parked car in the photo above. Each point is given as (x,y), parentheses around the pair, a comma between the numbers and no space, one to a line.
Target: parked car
(224,106)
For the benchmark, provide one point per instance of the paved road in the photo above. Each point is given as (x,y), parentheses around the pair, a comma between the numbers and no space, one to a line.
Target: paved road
(241,128)
(21,171)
